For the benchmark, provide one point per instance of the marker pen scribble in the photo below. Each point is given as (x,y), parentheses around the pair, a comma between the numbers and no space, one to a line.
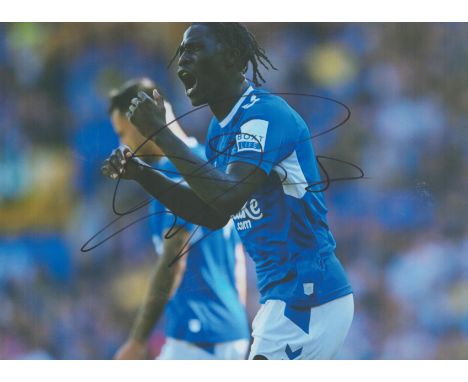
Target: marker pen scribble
(198,172)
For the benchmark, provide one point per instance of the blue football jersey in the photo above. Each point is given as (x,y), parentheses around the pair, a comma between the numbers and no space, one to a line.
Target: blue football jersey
(206,306)
(283,225)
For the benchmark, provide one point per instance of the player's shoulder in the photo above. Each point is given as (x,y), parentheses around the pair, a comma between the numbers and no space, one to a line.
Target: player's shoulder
(273,113)
(263,104)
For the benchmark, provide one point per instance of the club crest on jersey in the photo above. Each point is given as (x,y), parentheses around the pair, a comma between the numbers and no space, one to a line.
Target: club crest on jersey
(252,136)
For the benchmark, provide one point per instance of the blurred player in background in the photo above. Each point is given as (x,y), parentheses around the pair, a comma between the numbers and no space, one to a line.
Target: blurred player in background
(262,173)
(203,294)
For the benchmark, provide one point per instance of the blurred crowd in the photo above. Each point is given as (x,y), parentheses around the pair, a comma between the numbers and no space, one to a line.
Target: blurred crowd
(402,231)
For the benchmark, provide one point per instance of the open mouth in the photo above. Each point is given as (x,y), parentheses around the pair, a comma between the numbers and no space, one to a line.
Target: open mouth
(189,81)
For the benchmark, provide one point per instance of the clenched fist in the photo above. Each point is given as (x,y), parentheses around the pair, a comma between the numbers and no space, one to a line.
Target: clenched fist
(122,164)
(147,114)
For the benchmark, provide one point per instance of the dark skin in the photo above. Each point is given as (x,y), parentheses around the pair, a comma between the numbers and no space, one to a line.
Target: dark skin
(211,196)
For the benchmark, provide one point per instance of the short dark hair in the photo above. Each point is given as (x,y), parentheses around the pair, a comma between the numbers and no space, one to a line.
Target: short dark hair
(120,98)
(237,37)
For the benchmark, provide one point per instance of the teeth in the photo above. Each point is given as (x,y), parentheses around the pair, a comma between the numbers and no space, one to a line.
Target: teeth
(187,77)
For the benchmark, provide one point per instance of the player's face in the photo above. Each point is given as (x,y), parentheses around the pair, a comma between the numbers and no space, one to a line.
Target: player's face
(201,65)
(129,135)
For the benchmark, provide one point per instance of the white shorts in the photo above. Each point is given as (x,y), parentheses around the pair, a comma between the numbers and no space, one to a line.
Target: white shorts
(277,337)
(178,349)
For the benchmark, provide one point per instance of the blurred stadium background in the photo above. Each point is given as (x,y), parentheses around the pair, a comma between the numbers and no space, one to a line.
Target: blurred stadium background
(402,234)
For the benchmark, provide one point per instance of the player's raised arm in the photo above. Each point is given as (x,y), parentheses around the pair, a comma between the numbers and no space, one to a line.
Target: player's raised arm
(223,193)
(176,196)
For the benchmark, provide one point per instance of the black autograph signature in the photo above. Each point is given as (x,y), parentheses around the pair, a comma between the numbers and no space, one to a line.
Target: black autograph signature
(175,228)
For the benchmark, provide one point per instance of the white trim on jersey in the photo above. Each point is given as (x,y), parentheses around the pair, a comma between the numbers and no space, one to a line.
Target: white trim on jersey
(236,107)
(295,184)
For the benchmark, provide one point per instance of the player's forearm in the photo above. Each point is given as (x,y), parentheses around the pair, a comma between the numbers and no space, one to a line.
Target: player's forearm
(214,187)
(179,198)
(226,193)
(161,286)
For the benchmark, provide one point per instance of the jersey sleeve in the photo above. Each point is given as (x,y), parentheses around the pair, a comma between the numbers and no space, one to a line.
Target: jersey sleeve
(266,136)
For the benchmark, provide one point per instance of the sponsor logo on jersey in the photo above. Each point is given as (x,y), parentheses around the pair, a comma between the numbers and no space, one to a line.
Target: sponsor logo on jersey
(250,211)
(252,136)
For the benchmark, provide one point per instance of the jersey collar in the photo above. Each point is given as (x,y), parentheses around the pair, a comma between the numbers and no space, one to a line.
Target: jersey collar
(236,107)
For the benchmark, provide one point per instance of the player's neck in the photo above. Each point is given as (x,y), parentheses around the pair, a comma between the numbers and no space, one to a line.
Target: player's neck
(228,99)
